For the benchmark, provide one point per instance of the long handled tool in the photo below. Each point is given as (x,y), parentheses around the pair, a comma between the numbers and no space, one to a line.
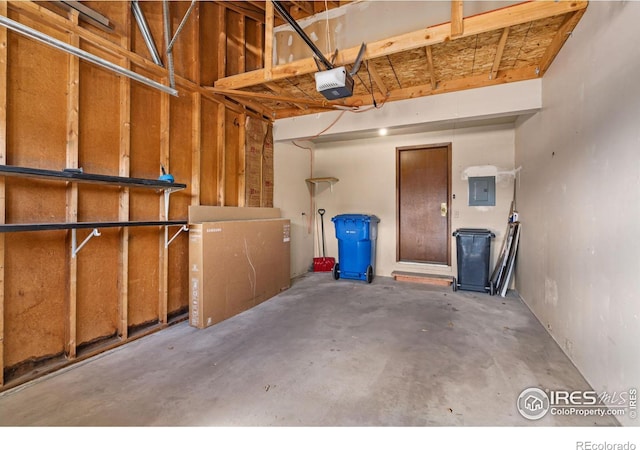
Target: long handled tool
(323,263)
(321,212)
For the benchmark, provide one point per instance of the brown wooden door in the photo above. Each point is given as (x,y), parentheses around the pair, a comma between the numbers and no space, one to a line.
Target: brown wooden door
(423,186)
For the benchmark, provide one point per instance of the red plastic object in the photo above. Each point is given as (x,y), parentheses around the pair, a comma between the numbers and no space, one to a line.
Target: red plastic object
(323,264)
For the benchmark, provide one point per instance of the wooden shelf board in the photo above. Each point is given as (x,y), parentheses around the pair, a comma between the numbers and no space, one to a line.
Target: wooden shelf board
(322,180)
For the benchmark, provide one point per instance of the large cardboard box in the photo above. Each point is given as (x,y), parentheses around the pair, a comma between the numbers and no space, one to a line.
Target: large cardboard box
(235,265)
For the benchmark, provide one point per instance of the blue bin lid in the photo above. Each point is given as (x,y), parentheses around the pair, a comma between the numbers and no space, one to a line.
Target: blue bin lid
(363,217)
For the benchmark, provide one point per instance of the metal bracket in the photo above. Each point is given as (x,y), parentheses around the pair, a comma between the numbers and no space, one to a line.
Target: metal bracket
(75,248)
(168,241)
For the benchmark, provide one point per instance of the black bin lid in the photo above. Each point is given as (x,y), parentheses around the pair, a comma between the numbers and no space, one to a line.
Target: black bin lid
(473,231)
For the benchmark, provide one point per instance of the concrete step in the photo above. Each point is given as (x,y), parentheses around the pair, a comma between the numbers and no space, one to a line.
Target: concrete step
(423,278)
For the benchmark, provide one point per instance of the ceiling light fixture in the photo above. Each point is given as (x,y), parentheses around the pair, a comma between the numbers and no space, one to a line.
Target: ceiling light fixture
(382,131)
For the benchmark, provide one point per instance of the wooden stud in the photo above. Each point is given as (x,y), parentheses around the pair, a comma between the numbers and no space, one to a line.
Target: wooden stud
(268,41)
(242,160)
(124,203)
(260,43)
(73,124)
(242,45)
(244,12)
(222,41)
(3,161)
(432,74)
(195,39)
(165,130)
(221,150)
(495,20)
(196,147)
(457,18)
(559,39)
(496,61)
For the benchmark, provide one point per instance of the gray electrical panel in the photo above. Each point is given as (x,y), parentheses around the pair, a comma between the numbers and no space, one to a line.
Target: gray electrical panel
(482,191)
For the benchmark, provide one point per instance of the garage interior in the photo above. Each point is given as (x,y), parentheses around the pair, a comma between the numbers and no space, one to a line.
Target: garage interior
(102,102)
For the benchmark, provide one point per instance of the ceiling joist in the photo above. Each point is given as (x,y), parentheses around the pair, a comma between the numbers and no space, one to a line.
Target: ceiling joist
(558,41)
(457,22)
(432,74)
(491,21)
(499,53)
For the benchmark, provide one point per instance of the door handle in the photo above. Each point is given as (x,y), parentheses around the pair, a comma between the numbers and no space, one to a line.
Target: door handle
(443,209)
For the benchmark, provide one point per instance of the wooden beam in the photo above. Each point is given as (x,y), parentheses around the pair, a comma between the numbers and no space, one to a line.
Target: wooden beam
(242,161)
(73,125)
(242,45)
(432,74)
(377,79)
(196,147)
(491,21)
(262,109)
(559,39)
(268,41)
(457,22)
(499,52)
(165,146)
(261,5)
(221,150)
(243,11)
(282,92)
(275,98)
(222,41)
(307,7)
(260,43)
(124,170)
(241,8)
(3,160)
(195,39)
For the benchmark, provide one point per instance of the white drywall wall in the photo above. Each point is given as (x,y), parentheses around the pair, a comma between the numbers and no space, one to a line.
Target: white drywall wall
(453,108)
(292,165)
(367,173)
(579,199)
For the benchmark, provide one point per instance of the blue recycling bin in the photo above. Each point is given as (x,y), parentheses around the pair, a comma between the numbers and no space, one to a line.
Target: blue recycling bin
(356,234)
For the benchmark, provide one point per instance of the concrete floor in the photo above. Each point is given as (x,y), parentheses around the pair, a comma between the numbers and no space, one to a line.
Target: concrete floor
(323,353)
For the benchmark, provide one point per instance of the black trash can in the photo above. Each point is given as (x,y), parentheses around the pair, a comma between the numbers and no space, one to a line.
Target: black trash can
(473,249)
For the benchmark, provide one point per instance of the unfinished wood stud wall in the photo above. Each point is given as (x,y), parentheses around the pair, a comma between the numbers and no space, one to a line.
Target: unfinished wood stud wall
(59,112)
(3,159)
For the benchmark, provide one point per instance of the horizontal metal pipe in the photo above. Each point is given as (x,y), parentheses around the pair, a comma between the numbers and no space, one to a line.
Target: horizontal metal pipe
(46,39)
